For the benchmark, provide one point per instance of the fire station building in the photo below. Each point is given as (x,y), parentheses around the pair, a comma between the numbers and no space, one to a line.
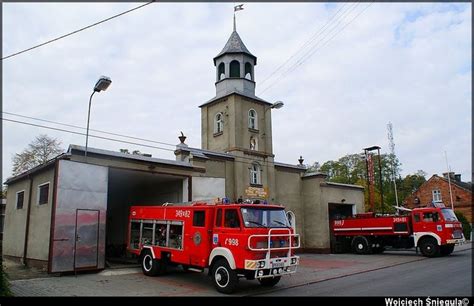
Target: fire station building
(74,201)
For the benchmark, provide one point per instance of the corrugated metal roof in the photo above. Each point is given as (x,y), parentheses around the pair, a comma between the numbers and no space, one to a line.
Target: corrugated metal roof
(129,156)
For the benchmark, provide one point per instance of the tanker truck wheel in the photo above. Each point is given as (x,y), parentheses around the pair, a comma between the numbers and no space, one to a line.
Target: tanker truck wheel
(269,282)
(360,245)
(224,278)
(429,247)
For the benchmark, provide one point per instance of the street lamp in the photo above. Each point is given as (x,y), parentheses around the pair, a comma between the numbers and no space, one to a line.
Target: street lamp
(102,84)
(277,105)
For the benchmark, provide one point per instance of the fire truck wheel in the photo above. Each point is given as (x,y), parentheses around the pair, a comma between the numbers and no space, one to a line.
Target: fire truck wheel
(150,266)
(447,249)
(225,279)
(429,247)
(269,282)
(360,245)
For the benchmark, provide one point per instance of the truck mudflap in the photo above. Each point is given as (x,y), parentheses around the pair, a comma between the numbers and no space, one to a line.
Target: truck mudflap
(272,267)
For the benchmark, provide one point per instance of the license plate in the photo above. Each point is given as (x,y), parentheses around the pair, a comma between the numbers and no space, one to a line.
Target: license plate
(277,265)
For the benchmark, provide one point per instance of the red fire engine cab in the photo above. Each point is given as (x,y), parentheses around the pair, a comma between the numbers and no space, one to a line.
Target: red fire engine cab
(255,241)
(434,230)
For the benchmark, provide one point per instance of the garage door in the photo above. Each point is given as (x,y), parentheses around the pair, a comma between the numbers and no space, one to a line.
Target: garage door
(78,240)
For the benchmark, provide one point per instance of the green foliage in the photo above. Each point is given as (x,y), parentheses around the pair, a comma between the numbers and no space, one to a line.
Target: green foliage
(466,227)
(352,169)
(4,286)
(39,151)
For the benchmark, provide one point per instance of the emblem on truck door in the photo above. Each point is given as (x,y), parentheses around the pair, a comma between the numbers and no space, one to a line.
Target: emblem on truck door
(197,238)
(215,239)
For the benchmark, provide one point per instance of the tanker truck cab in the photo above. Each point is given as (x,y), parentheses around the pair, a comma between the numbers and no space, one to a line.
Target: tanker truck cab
(255,241)
(436,230)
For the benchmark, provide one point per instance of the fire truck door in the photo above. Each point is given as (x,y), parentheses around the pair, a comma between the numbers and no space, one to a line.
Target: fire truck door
(198,239)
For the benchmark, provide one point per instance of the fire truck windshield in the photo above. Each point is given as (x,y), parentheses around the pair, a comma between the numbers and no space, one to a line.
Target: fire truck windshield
(261,217)
(448,214)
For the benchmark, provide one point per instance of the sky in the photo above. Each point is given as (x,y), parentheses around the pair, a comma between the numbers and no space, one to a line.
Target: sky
(343,70)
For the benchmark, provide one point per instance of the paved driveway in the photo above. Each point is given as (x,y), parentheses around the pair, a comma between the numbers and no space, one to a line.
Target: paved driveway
(131,282)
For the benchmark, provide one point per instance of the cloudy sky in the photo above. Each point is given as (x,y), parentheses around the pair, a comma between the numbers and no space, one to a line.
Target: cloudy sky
(343,70)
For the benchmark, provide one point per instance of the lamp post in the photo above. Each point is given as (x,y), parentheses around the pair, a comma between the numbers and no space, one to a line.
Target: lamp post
(102,84)
(277,105)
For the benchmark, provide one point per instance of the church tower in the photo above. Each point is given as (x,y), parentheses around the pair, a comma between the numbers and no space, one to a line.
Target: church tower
(238,122)
(236,119)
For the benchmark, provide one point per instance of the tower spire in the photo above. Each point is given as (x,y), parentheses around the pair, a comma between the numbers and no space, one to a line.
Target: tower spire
(235,28)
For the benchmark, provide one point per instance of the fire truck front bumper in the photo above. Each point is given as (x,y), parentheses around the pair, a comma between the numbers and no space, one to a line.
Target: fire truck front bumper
(273,267)
(456,241)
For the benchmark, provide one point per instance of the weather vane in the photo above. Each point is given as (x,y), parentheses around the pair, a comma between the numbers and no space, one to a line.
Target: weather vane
(237,8)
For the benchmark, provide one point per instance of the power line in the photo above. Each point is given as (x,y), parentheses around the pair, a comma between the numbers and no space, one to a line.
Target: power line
(331,29)
(308,42)
(93,130)
(77,31)
(314,50)
(124,141)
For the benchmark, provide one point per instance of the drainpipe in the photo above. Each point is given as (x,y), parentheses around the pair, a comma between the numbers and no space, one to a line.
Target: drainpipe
(28,212)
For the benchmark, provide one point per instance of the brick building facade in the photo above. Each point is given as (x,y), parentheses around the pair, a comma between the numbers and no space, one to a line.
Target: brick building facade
(436,189)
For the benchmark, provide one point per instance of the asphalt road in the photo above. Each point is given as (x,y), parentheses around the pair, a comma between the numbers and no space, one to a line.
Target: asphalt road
(444,276)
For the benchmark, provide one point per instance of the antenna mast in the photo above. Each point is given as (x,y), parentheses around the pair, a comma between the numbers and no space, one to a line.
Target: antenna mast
(392,153)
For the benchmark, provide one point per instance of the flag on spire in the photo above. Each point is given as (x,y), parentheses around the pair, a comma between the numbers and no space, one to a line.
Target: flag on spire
(238,7)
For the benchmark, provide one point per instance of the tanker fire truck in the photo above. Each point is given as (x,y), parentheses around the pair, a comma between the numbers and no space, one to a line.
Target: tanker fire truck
(255,241)
(434,230)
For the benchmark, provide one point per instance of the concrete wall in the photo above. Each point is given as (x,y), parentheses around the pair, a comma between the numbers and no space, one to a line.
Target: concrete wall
(288,192)
(314,234)
(40,219)
(15,220)
(236,133)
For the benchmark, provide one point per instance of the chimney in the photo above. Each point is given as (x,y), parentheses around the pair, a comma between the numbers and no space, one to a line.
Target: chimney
(451,175)
(457,177)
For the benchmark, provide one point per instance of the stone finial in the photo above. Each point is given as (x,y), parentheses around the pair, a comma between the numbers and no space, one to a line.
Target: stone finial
(301,160)
(182,138)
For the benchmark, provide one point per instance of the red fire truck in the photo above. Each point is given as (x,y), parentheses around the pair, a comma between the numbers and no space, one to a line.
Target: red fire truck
(255,241)
(434,230)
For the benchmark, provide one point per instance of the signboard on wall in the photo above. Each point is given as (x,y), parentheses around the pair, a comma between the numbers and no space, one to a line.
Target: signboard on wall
(256,192)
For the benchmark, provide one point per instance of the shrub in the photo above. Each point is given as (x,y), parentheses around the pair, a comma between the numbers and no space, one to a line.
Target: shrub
(4,287)
(466,227)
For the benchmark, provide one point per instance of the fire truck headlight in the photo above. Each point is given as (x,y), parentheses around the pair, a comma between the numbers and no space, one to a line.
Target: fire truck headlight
(280,271)
(294,260)
(261,264)
(275,271)
(260,273)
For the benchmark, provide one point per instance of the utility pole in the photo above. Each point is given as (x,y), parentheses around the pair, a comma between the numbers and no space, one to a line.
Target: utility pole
(392,153)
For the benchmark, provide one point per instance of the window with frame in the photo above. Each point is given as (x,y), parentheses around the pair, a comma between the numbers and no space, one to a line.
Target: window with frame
(199,218)
(218,123)
(437,196)
(43,194)
(430,217)
(219,218)
(253,119)
(231,218)
(20,199)
(255,174)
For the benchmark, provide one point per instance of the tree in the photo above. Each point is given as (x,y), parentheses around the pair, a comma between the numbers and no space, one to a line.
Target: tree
(39,151)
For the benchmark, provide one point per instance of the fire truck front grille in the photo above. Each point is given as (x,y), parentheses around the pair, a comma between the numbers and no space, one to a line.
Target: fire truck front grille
(457,234)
